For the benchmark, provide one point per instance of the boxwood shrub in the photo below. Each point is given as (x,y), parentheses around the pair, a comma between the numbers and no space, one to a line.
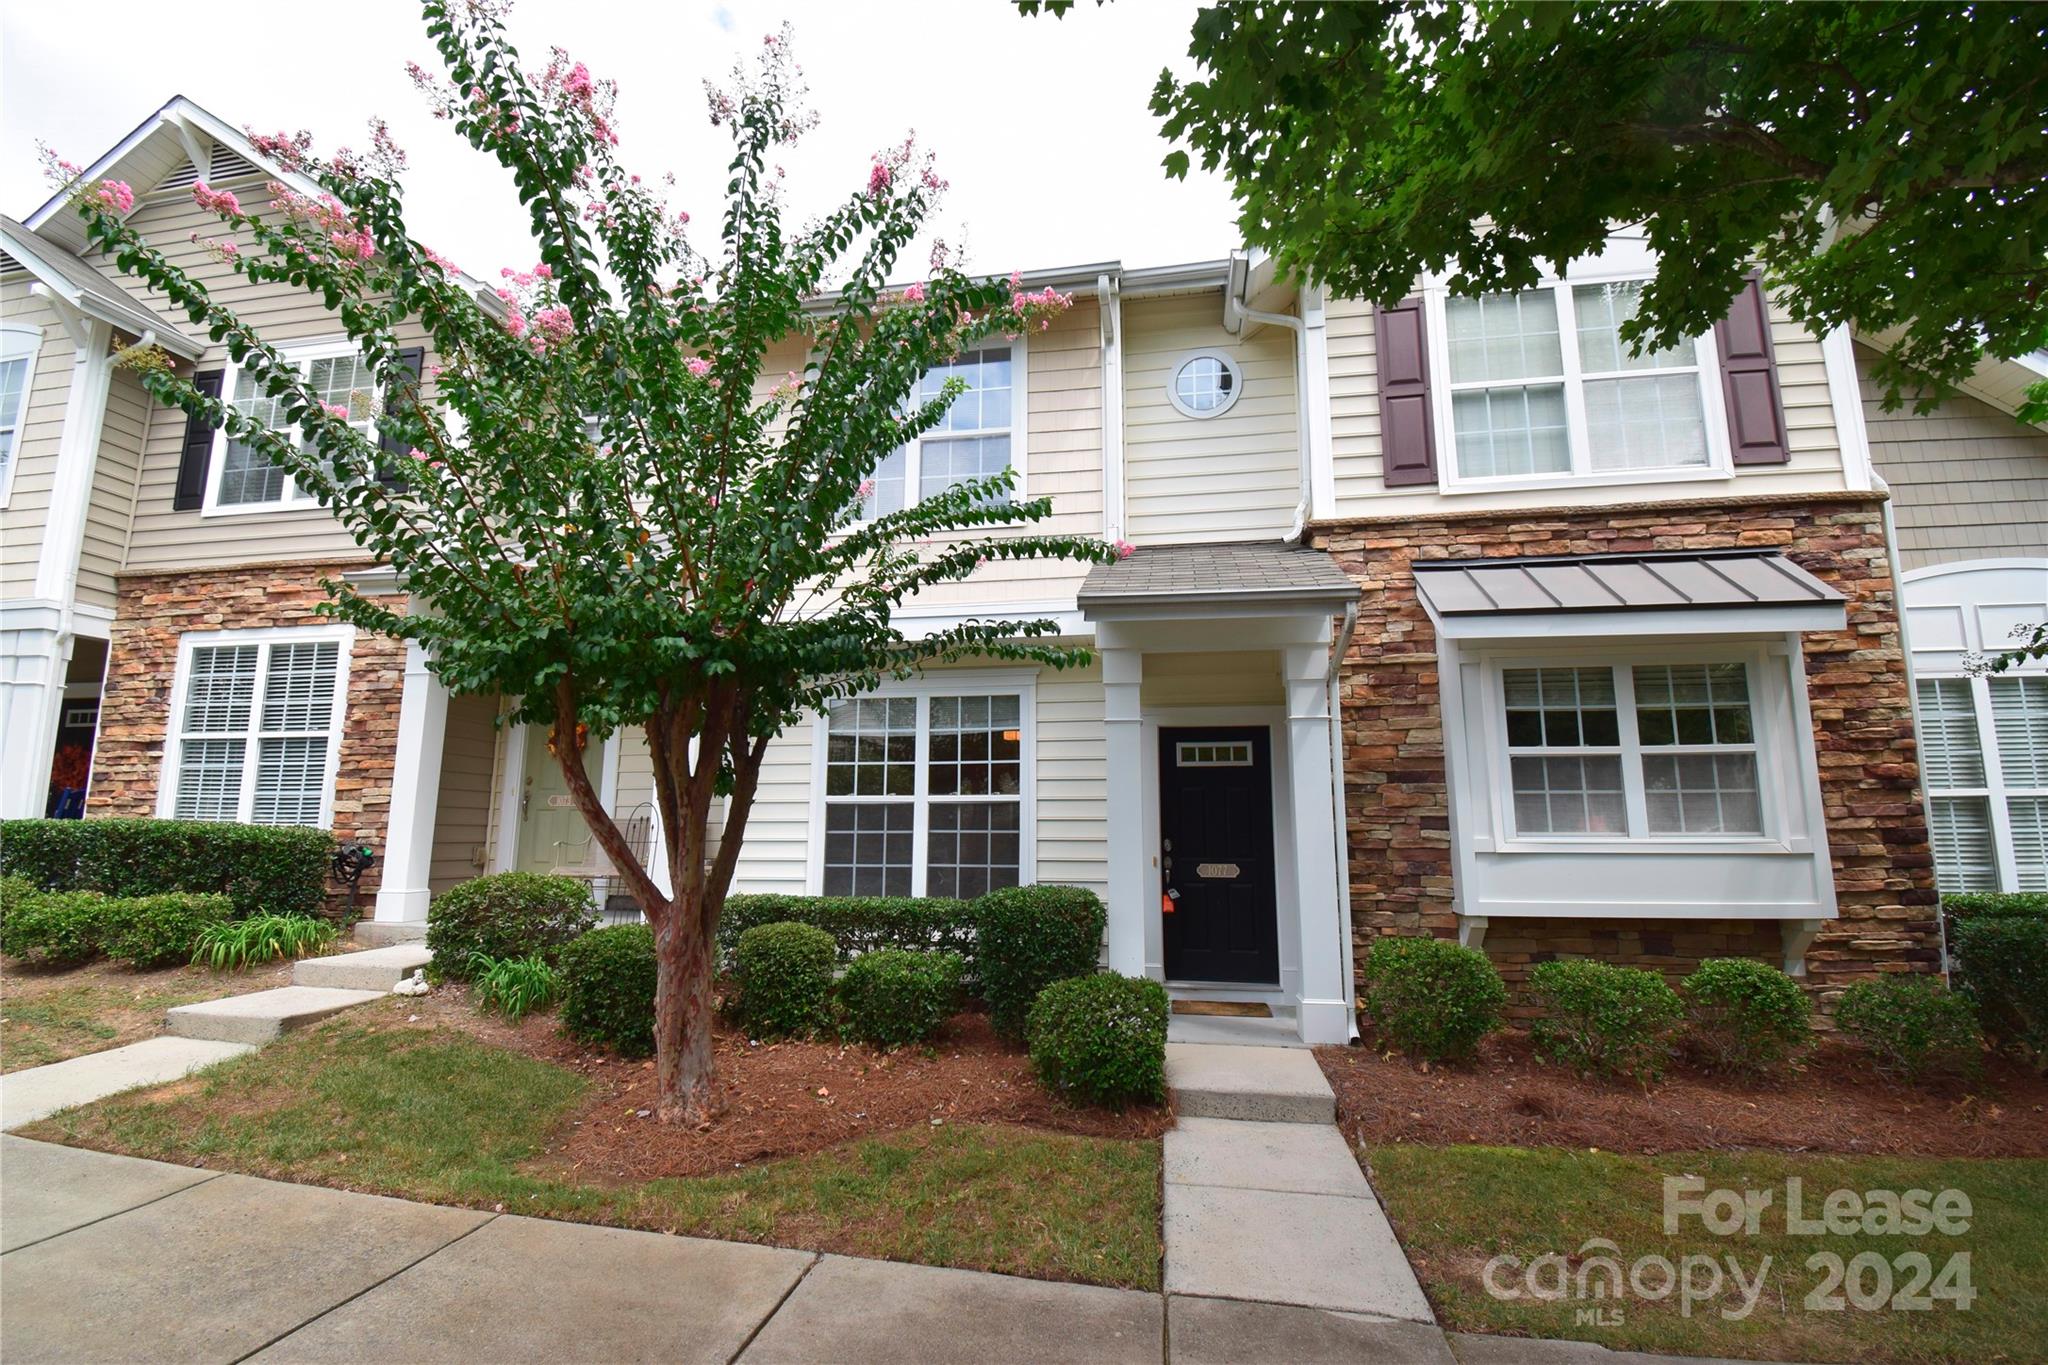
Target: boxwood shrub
(506,915)
(857,924)
(1745,1017)
(892,996)
(1605,1020)
(1432,998)
(1101,1039)
(51,928)
(1030,937)
(784,974)
(1971,905)
(2001,964)
(259,868)
(161,931)
(608,988)
(1914,1028)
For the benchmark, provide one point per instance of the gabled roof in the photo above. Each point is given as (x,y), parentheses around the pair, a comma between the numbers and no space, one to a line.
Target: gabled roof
(80,285)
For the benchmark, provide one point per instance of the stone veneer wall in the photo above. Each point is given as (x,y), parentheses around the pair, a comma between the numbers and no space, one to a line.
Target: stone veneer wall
(153,610)
(1398,821)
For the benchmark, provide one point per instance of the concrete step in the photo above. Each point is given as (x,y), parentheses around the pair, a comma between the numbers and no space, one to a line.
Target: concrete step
(40,1091)
(373,969)
(375,933)
(264,1016)
(1268,1084)
(1279,1031)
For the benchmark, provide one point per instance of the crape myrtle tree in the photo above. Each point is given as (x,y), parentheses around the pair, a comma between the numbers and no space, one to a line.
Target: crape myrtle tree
(605,511)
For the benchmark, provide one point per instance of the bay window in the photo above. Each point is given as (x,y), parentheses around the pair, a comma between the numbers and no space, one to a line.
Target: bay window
(979,436)
(255,726)
(925,794)
(1642,750)
(1540,388)
(243,477)
(1984,760)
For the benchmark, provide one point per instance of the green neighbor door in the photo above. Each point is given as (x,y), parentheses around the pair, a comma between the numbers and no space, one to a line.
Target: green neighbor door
(552,833)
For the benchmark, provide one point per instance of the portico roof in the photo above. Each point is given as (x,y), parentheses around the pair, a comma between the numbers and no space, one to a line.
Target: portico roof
(1258,571)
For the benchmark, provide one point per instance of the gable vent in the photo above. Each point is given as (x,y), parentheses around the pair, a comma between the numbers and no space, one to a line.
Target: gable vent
(183,178)
(8,265)
(232,165)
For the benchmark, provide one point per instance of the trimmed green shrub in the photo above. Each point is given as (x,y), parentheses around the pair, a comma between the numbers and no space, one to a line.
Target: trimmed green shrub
(608,988)
(161,931)
(55,928)
(14,890)
(261,938)
(515,986)
(2001,963)
(892,996)
(1030,937)
(1430,997)
(1746,1017)
(1994,905)
(1913,1027)
(784,975)
(1101,1039)
(507,914)
(1604,1020)
(858,924)
(260,868)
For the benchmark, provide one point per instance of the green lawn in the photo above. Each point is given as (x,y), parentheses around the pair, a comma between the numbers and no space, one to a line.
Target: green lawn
(438,1116)
(51,1016)
(1458,1207)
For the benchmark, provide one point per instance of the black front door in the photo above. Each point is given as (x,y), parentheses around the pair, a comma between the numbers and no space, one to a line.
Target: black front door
(1216,855)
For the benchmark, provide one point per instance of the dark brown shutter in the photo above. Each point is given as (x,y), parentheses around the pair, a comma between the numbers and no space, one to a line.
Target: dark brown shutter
(403,393)
(190,492)
(1407,435)
(1749,380)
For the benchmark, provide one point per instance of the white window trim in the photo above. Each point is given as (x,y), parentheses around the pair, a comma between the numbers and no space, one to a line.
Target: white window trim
(1223,358)
(1020,425)
(18,343)
(1995,792)
(174,727)
(1612,268)
(290,499)
(1767,702)
(980,683)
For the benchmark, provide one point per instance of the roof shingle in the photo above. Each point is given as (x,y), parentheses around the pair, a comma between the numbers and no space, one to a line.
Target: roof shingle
(1264,570)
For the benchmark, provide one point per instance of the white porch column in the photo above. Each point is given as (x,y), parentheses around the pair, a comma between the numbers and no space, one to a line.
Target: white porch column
(33,662)
(408,851)
(1325,975)
(1122,668)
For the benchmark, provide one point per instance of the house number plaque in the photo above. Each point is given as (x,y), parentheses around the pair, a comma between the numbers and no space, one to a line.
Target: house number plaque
(1216,872)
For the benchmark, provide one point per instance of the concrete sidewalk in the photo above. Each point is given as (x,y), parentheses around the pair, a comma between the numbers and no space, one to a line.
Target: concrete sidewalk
(109,1259)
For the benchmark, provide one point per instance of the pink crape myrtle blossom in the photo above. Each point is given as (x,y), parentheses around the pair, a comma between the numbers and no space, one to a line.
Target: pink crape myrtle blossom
(1123,548)
(115,195)
(227,253)
(698,366)
(289,150)
(914,293)
(212,200)
(866,490)
(552,327)
(338,411)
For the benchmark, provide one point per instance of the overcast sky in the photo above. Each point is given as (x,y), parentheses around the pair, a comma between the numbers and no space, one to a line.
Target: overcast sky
(1040,124)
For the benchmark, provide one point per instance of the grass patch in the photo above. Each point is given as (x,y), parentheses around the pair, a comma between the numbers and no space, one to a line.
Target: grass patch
(1457,1207)
(52,1016)
(437,1115)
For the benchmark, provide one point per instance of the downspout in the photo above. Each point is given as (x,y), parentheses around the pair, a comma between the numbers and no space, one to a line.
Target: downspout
(1338,649)
(1235,312)
(1891,554)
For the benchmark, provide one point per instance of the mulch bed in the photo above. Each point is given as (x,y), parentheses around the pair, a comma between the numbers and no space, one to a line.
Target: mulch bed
(1508,1096)
(786,1098)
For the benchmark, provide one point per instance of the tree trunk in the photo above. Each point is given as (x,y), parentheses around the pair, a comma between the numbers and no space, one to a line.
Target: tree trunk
(682,1018)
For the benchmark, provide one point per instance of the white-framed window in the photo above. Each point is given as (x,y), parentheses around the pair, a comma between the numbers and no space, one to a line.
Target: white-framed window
(1984,759)
(240,478)
(982,433)
(1662,750)
(1204,384)
(1536,389)
(925,789)
(18,347)
(255,726)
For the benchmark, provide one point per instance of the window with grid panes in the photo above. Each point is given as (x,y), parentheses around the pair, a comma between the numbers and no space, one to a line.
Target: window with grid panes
(1984,760)
(972,441)
(253,738)
(923,795)
(245,476)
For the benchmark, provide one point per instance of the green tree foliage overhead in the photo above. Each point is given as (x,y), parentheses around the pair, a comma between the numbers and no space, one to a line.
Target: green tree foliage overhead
(612,509)
(1886,163)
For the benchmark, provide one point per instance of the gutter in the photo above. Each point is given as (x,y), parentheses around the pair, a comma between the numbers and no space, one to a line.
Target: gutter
(1339,647)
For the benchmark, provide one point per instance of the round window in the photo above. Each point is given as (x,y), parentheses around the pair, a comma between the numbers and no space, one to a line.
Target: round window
(1205,384)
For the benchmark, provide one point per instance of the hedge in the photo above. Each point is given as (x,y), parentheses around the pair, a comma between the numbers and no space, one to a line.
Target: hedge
(1605,1020)
(892,997)
(1746,1018)
(1965,906)
(2002,965)
(784,974)
(608,979)
(1101,1039)
(69,928)
(1430,997)
(1030,937)
(261,869)
(857,924)
(1913,1027)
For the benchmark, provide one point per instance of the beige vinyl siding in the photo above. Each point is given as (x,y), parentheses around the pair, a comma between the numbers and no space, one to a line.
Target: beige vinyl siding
(1229,678)
(112,506)
(775,854)
(42,426)
(1815,466)
(462,812)
(1232,477)
(164,538)
(1968,481)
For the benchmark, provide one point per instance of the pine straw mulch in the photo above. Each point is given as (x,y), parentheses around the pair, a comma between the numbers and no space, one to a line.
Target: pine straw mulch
(1509,1096)
(780,1099)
